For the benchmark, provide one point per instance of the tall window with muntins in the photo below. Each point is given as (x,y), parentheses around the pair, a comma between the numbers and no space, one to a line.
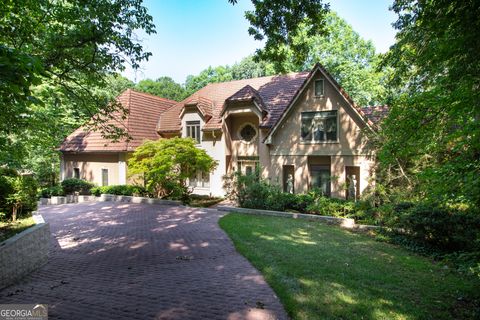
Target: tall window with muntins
(199,179)
(319,126)
(248,133)
(319,89)
(193,130)
(104,177)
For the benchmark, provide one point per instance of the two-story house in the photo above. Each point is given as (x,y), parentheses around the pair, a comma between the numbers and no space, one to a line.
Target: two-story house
(301,127)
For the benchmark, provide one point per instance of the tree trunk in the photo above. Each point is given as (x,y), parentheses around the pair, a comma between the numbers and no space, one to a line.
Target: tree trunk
(14,213)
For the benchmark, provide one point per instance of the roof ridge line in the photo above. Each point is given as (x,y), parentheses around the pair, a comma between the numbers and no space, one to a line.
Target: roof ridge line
(151,95)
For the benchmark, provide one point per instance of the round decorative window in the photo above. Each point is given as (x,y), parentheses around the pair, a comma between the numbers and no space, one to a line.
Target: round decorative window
(248,132)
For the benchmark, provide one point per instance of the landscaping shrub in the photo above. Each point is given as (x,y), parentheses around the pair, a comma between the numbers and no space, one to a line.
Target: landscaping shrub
(51,192)
(18,194)
(439,227)
(203,201)
(120,190)
(253,192)
(331,207)
(72,185)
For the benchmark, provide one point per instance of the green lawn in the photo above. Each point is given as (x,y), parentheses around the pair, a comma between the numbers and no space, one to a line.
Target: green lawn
(324,272)
(9,229)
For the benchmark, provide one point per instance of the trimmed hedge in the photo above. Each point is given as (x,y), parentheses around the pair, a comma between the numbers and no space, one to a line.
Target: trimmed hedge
(72,185)
(120,190)
(51,192)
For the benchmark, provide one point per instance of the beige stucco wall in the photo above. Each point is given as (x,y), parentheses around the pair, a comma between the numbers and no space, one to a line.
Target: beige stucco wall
(241,148)
(351,149)
(214,145)
(91,165)
(284,148)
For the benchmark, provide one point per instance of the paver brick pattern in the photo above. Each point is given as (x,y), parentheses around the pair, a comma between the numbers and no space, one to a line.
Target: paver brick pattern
(139,261)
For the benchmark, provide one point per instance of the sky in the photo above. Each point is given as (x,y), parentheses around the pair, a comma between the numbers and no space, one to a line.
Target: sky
(194,34)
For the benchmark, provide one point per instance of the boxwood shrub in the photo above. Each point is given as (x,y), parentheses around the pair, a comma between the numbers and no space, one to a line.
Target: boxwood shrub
(52,191)
(120,190)
(72,185)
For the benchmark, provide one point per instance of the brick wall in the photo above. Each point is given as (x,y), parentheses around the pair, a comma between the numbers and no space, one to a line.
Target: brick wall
(23,253)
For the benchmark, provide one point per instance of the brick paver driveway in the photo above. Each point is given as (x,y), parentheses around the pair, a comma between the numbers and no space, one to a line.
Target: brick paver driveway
(138,261)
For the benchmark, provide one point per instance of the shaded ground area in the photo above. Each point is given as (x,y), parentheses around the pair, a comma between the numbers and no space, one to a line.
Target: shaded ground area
(9,229)
(324,272)
(135,261)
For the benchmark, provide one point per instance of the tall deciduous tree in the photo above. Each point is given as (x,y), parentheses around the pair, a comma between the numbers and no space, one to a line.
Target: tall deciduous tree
(278,23)
(350,59)
(71,45)
(432,135)
(163,87)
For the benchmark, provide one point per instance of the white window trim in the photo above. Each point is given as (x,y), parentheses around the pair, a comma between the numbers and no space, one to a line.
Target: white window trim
(199,141)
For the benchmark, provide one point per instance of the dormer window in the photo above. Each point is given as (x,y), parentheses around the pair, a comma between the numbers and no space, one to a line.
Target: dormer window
(319,89)
(193,130)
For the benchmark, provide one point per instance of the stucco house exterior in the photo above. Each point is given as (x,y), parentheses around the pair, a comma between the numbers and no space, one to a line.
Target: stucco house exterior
(87,155)
(299,126)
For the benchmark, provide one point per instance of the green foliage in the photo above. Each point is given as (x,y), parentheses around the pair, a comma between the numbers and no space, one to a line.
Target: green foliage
(9,228)
(203,201)
(73,185)
(278,23)
(331,207)
(252,192)
(349,58)
(245,69)
(323,272)
(440,228)
(430,142)
(54,55)
(121,190)
(52,191)
(163,87)
(18,194)
(166,164)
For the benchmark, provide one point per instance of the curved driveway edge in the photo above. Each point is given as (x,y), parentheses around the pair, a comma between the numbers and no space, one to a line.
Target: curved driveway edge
(139,261)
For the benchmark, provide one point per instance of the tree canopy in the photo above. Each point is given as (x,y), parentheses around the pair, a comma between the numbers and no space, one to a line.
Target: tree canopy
(53,57)
(278,23)
(349,58)
(163,87)
(430,141)
(166,164)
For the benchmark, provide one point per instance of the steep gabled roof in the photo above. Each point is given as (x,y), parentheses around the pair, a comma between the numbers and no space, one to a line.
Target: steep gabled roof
(335,84)
(204,105)
(143,113)
(246,94)
(276,93)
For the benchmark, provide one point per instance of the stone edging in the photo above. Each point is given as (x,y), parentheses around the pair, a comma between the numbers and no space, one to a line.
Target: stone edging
(105,198)
(23,253)
(343,222)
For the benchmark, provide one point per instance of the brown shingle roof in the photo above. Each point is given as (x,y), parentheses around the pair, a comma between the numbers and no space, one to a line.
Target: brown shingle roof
(276,92)
(144,111)
(246,94)
(375,113)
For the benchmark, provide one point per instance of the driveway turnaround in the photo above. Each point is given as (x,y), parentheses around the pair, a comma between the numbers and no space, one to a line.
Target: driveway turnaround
(113,260)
